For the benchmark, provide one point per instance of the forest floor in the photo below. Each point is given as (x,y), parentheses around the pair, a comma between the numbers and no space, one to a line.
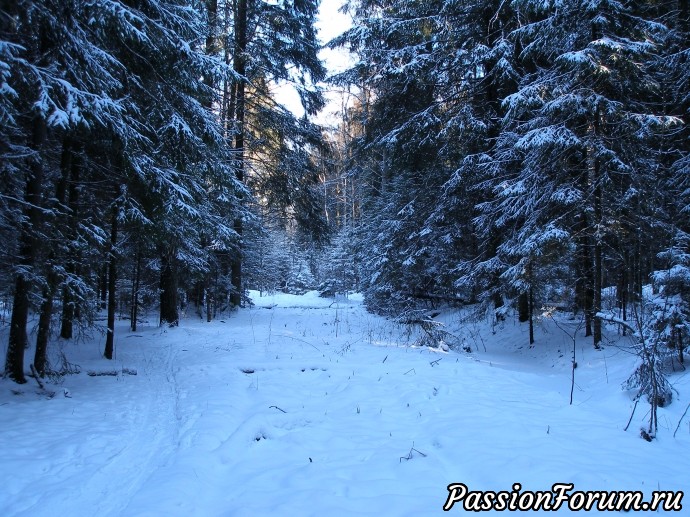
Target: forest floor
(305,406)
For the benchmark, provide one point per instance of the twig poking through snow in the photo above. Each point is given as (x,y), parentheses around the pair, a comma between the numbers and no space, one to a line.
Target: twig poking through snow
(409,454)
(276,407)
(681,419)
(631,415)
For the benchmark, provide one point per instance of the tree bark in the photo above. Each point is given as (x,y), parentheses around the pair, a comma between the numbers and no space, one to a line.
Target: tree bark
(583,284)
(44,320)
(52,277)
(531,304)
(209,307)
(168,289)
(103,285)
(68,296)
(18,340)
(523,307)
(112,283)
(135,292)
(598,237)
(240,65)
(622,292)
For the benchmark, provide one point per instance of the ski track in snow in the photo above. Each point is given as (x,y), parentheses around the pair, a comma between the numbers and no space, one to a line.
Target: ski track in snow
(300,406)
(97,444)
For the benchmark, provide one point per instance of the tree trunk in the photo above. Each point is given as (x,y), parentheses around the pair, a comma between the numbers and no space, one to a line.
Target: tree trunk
(44,320)
(135,291)
(168,289)
(531,305)
(199,290)
(622,293)
(523,307)
(209,309)
(103,285)
(240,65)
(583,284)
(680,346)
(52,278)
(112,283)
(18,340)
(598,237)
(68,297)
(67,319)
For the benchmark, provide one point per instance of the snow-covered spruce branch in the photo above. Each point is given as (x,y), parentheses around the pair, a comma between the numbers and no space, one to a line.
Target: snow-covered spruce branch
(610,318)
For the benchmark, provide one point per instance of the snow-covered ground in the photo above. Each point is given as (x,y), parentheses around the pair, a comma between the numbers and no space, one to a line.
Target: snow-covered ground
(302,406)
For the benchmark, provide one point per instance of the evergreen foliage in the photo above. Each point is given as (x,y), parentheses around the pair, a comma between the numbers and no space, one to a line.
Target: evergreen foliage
(518,153)
(119,168)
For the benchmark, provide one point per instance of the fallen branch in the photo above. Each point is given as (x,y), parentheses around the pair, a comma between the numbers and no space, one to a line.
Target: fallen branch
(105,373)
(276,407)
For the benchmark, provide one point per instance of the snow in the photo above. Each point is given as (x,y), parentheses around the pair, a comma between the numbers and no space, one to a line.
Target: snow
(304,405)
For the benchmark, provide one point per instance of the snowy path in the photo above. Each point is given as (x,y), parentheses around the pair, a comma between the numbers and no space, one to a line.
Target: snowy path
(93,443)
(311,409)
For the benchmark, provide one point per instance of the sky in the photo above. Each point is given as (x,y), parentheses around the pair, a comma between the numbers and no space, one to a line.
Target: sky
(330,23)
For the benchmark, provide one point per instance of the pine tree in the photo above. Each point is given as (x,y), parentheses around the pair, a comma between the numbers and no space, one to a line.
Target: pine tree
(569,146)
(57,85)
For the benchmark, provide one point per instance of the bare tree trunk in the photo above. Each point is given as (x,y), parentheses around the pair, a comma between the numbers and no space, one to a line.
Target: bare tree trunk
(135,291)
(622,293)
(598,237)
(168,288)
(112,284)
(523,307)
(52,278)
(240,65)
(531,307)
(18,340)
(199,290)
(209,308)
(679,342)
(103,285)
(44,320)
(68,298)
(583,284)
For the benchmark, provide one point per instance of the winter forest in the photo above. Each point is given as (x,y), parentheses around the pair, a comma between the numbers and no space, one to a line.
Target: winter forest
(522,163)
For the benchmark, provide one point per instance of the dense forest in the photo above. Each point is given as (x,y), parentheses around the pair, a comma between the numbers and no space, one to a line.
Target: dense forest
(512,155)
(522,155)
(139,140)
